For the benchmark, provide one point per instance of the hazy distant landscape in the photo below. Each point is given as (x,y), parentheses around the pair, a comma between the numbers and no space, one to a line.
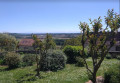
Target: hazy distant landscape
(42,35)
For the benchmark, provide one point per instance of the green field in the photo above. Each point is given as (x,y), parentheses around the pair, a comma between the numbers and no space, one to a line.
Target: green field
(70,74)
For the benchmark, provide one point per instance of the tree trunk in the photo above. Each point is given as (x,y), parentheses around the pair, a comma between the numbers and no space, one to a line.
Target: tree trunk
(37,70)
(37,65)
(94,77)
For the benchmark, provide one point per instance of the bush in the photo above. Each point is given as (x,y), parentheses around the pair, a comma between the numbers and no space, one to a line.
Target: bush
(1,61)
(2,58)
(112,75)
(7,42)
(72,52)
(28,59)
(12,60)
(108,56)
(80,62)
(118,57)
(54,60)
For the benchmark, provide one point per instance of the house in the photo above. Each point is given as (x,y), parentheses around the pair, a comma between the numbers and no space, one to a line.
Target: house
(115,50)
(25,45)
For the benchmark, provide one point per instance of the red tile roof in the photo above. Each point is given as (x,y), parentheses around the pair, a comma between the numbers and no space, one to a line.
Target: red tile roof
(26,42)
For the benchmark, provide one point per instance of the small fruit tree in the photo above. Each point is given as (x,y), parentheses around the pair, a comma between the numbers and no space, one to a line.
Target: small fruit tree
(96,37)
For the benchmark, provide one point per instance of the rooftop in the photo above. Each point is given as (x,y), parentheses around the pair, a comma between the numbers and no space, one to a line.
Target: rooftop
(26,42)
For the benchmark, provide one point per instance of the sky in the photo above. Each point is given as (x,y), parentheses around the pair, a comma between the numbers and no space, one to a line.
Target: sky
(45,16)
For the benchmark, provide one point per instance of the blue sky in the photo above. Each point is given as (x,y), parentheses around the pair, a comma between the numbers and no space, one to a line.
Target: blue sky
(51,17)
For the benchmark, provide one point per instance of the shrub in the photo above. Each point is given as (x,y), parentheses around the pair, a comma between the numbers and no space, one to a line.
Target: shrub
(112,75)
(2,58)
(2,55)
(118,57)
(80,62)
(72,52)
(12,59)
(1,61)
(108,56)
(54,60)
(7,42)
(28,59)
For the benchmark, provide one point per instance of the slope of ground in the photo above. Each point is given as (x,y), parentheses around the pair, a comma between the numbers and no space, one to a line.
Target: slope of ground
(70,74)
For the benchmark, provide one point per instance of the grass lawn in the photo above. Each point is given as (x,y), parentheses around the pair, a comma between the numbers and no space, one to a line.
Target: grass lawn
(70,74)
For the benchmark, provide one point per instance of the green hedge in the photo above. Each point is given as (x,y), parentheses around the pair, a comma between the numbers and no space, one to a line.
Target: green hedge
(72,52)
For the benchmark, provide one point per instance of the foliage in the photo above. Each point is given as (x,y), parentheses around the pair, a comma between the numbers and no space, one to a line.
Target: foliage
(118,57)
(12,60)
(80,62)
(55,60)
(108,56)
(1,61)
(38,47)
(42,49)
(28,59)
(7,42)
(72,52)
(73,41)
(49,43)
(59,41)
(70,74)
(2,58)
(112,75)
(96,38)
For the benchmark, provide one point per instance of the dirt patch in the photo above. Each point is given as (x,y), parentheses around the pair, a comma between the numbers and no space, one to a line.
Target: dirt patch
(99,79)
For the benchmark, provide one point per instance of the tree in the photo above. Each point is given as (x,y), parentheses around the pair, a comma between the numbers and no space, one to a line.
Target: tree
(41,49)
(49,43)
(38,47)
(7,42)
(96,37)
(73,41)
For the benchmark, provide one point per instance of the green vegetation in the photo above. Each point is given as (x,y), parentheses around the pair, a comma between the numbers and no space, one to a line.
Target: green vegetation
(2,58)
(38,48)
(59,42)
(49,42)
(7,42)
(72,52)
(108,56)
(51,67)
(28,60)
(118,57)
(113,74)
(79,62)
(12,59)
(54,60)
(73,41)
(41,49)
(96,37)
(71,74)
